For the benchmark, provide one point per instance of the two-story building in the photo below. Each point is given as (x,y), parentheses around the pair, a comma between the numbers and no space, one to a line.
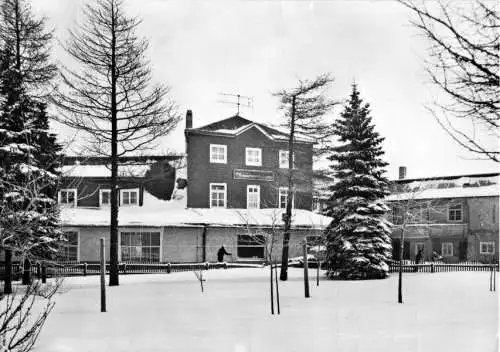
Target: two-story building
(233,196)
(238,163)
(455,217)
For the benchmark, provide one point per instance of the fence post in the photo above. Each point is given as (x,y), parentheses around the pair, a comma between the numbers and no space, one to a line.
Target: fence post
(85,269)
(206,266)
(169,268)
(103,278)
(124,268)
(432,267)
(306,272)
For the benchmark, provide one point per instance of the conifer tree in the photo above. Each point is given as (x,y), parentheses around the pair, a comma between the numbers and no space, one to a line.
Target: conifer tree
(358,238)
(28,152)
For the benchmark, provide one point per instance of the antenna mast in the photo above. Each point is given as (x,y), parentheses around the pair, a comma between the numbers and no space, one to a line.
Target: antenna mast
(241,100)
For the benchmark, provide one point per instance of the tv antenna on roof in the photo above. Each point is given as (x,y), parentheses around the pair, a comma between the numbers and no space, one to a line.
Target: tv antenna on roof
(241,100)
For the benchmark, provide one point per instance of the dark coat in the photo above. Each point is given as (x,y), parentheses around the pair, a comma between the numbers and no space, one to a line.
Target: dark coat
(220,254)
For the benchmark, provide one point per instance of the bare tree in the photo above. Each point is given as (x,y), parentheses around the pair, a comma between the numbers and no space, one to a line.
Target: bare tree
(413,213)
(27,40)
(21,320)
(110,96)
(464,64)
(304,108)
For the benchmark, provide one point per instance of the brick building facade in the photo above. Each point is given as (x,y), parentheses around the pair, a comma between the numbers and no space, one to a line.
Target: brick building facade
(237,163)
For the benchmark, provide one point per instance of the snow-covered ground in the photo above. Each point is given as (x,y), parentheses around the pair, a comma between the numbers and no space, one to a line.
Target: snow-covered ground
(442,312)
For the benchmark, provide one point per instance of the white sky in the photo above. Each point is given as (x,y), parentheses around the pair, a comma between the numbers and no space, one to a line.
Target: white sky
(254,48)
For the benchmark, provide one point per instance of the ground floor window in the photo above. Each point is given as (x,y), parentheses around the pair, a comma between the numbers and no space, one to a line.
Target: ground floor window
(447,249)
(251,246)
(68,250)
(140,246)
(487,247)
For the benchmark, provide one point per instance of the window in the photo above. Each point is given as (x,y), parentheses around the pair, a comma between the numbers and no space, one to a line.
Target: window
(283,197)
(447,249)
(487,247)
(253,156)
(283,159)
(140,247)
(251,246)
(217,195)
(68,251)
(67,197)
(104,197)
(218,153)
(129,196)
(455,212)
(253,197)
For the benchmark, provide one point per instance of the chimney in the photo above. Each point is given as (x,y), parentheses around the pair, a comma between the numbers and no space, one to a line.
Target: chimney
(189,119)
(402,172)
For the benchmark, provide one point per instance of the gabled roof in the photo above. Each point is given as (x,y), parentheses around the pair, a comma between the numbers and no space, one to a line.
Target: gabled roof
(236,125)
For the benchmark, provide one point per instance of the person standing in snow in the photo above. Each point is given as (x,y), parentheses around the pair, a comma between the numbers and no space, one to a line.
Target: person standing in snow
(418,258)
(220,254)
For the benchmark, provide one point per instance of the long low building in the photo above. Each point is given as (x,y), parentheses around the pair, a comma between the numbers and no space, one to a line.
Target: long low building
(165,231)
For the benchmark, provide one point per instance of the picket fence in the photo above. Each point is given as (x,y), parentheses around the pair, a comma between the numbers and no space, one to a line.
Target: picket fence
(53,269)
(438,267)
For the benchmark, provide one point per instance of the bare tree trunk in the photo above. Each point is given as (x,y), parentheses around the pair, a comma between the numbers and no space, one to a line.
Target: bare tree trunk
(400,278)
(289,200)
(113,248)
(7,287)
(277,286)
(272,288)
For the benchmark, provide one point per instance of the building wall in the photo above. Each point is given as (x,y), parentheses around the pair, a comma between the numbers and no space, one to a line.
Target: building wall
(185,244)
(479,223)
(182,244)
(483,227)
(201,172)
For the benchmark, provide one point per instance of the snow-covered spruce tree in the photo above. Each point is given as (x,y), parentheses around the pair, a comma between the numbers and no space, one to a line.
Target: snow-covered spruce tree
(28,177)
(358,238)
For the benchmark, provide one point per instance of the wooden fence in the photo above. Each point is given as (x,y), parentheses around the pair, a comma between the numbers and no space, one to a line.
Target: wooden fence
(84,269)
(410,267)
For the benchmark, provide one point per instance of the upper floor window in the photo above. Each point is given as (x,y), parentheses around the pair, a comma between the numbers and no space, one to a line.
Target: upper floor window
(129,196)
(253,197)
(447,249)
(217,195)
(283,197)
(104,197)
(487,247)
(455,212)
(218,153)
(283,159)
(67,197)
(253,156)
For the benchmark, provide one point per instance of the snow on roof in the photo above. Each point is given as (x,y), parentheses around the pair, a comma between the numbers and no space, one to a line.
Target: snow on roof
(236,125)
(156,212)
(181,173)
(454,192)
(129,170)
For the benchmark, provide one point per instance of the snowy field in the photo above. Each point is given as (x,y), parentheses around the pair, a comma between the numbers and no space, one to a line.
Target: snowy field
(442,312)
